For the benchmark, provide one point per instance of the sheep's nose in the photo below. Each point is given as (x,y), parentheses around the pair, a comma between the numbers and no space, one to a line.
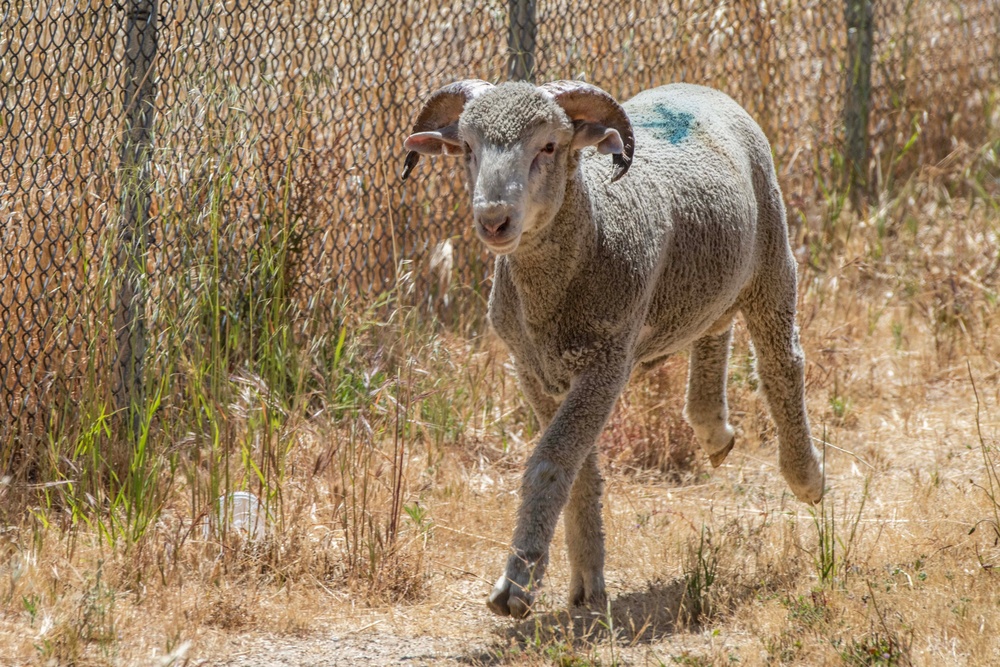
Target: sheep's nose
(496,225)
(495,220)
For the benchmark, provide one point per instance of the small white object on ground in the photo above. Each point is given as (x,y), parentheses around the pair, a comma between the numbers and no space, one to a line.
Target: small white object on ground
(244,514)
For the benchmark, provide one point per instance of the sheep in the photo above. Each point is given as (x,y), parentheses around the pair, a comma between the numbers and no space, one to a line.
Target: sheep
(597,275)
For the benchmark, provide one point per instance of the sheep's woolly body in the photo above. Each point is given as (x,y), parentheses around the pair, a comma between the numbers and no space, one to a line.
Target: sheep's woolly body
(608,277)
(671,246)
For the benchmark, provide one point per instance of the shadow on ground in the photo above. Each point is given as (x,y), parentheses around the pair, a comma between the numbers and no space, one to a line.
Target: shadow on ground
(635,618)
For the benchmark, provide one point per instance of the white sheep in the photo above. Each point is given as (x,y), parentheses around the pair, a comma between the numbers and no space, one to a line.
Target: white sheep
(594,278)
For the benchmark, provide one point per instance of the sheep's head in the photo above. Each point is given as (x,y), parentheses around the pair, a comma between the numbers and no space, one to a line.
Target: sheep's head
(517,141)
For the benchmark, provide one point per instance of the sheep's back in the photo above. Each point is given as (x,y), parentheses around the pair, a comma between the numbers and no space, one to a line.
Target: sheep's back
(688,206)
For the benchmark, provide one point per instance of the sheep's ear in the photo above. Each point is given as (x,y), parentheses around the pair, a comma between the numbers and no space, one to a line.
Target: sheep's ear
(435,130)
(609,127)
(607,139)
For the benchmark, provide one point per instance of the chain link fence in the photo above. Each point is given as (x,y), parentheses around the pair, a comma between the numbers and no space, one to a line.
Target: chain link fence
(139,137)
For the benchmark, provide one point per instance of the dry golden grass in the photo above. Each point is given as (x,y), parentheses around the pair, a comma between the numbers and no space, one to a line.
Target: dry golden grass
(897,313)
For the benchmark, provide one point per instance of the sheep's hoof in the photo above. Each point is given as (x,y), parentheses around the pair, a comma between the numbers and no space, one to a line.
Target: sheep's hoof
(808,479)
(597,600)
(720,456)
(588,591)
(811,495)
(509,599)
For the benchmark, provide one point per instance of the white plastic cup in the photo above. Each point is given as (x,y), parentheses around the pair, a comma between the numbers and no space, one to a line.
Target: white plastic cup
(244,514)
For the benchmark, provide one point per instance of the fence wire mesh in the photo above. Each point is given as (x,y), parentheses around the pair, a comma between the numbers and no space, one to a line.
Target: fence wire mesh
(268,119)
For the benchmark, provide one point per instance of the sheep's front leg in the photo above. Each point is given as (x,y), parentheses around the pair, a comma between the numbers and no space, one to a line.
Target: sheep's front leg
(585,536)
(541,403)
(547,481)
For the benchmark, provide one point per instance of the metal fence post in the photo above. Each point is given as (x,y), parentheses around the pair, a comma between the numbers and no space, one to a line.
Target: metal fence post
(857,98)
(134,184)
(521,40)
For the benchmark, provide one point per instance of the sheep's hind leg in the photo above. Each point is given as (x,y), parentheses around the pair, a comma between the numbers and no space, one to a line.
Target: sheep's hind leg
(705,407)
(770,317)
(585,536)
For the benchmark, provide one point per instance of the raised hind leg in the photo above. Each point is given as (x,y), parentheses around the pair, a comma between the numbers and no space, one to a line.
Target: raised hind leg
(769,309)
(705,407)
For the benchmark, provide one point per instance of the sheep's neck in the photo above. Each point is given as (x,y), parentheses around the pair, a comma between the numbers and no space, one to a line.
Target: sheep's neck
(543,268)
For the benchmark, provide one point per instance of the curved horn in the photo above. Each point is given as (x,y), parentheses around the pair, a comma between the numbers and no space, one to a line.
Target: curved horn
(440,115)
(584,102)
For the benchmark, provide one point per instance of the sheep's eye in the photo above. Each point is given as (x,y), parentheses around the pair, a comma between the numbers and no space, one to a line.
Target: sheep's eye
(550,148)
(466,147)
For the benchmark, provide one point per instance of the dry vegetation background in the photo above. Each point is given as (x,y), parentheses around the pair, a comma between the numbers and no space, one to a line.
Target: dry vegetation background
(302,350)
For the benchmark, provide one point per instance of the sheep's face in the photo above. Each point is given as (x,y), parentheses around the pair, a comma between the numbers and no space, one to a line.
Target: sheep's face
(517,143)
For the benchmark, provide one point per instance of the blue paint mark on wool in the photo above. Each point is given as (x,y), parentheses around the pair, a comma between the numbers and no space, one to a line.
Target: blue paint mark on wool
(672,126)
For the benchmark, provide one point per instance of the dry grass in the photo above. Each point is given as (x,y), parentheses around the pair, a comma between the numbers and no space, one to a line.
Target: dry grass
(705,567)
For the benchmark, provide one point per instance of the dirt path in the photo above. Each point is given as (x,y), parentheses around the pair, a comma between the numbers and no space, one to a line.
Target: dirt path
(641,629)
(387,648)
(368,648)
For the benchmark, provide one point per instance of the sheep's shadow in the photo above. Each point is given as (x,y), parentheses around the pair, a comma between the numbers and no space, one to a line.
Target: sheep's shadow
(634,618)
